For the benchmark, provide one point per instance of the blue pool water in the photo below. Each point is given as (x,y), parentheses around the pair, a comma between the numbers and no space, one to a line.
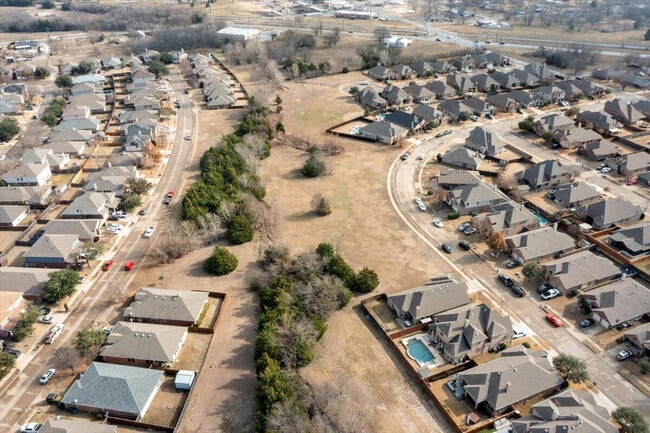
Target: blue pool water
(418,351)
(543,221)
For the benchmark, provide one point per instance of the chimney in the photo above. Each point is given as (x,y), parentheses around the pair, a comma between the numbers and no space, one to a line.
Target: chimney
(508,385)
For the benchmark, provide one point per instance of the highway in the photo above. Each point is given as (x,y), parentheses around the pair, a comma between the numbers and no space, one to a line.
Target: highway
(106,293)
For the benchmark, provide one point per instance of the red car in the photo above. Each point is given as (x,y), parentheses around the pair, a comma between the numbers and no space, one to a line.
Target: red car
(553,320)
(631,182)
(108,265)
(128,265)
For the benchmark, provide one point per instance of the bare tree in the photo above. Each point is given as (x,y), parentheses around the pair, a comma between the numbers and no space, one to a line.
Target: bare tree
(68,357)
(381,33)
(333,37)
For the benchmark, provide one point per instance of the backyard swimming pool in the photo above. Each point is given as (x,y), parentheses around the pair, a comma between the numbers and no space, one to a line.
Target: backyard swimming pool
(418,351)
(542,221)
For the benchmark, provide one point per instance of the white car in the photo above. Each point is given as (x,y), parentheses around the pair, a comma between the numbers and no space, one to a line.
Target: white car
(188,137)
(420,157)
(47,376)
(149,232)
(437,223)
(606,169)
(31,427)
(550,294)
(364,83)
(107,329)
(46,319)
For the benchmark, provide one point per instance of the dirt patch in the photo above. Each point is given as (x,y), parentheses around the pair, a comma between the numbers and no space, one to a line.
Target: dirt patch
(167,404)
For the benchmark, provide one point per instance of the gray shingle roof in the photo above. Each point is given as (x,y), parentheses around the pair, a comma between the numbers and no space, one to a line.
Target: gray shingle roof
(484,141)
(75,426)
(23,194)
(114,388)
(540,243)
(619,301)
(165,304)
(144,341)
(635,239)
(426,301)
(9,213)
(542,173)
(25,280)
(462,157)
(607,213)
(53,246)
(570,194)
(580,268)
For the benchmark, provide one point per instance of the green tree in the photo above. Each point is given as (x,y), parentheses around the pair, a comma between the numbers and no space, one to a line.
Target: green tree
(644,364)
(532,270)
(8,128)
(239,230)
(314,166)
(139,186)
(353,90)
(572,112)
(367,280)
(7,363)
(87,339)
(464,116)
(166,58)
(548,137)
(339,267)
(48,5)
(220,262)
(630,420)
(25,324)
(41,73)
(325,250)
(59,285)
(130,201)
(273,385)
(528,124)
(571,368)
(157,68)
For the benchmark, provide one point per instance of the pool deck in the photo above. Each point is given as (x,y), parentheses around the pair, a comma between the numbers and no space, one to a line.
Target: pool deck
(426,340)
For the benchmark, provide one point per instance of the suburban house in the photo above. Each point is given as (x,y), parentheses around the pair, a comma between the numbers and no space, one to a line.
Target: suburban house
(518,376)
(643,106)
(503,102)
(383,131)
(522,97)
(52,425)
(424,302)
(12,215)
(167,307)
(539,244)
(540,70)
(639,336)
(26,282)
(52,251)
(568,411)
(523,78)
(71,135)
(75,112)
(100,182)
(217,94)
(381,73)
(70,148)
(630,163)
(508,219)
(461,82)
(136,116)
(632,242)
(485,83)
(484,141)
(24,194)
(84,89)
(463,158)
(115,390)
(574,88)
(91,205)
(369,97)
(28,175)
(506,80)
(577,137)
(543,174)
(578,271)
(644,179)
(11,104)
(420,94)
(422,68)
(466,331)
(608,213)
(441,89)
(427,112)
(143,344)
(450,178)
(478,197)
(452,108)
(11,306)
(478,106)
(441,66)
(56,162)
(402,72)
(112,63)
(556,123)
(618,302)
(573,194)
(141,76)
(600,122)
(395,95)
(86,229)
(406,120)
(622,111)
(599,151)
(95,102)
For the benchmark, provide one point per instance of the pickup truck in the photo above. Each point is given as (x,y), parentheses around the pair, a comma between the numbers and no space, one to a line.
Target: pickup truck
(53,333)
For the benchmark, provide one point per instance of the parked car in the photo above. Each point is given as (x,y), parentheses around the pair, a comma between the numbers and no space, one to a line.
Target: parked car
(473,118)
(144,211)
(464,245)
(624,354)
(553,320)
(605,169)
(149,232)
(517,334)
(107,329)
(469,231)
(404,156)
(446,248)
(113,218)
(506,280)
(498,348)
(550,294)
(464,226)
(46,319)
(31,427)
(364,83)
(420,157)
(129,265)
(517,290)
(108,265)
(601,166)
(437,223)
(188,137)
(53,398)
(47,376)
(545,287)
(12,351)
(586,323)
(512,264)
(624,325)
(631,182)
(45,310)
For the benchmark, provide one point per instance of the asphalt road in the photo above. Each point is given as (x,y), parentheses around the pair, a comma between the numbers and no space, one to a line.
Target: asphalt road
(97,307)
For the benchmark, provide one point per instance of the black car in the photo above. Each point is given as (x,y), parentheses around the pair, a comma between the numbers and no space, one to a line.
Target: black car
(168,200)
(586,323)
(519,291)
(506,280)
(446,248)
(113,218)
(545,287)
(12,351)
(144,211)
(464,245)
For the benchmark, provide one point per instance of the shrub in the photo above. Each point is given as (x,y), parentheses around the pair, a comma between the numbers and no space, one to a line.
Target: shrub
(339,267)
(325,249)
(314,167)
(240,230)
(221,262)
(8,128)
(526,345)
(367,280)
(59,285)
(345,70)
(453,215)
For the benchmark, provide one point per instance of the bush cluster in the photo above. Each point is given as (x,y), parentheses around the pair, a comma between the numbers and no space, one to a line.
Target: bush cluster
(53,112)
(220,262)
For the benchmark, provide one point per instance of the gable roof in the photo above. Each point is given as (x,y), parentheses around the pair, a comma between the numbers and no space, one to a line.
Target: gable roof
(622,111)
(462,157)
(113,387)
(144,341)
(538,243)
(426,112)
(575,192)
(606,213)
(165,304)
(599,119)
(428,300)
(440,88)
(383,128)
(85,229)
(10,213)
(518,374)
(89,204)
(53,246)
(601,148)
(505,216)
(406,120)
(581,268)
(484,141)
(28,281)
(481,194)
(632,161)
(539,70)
(24,194)
(553,122)
(619,301)
(542,173)
(458,177)
(635,239)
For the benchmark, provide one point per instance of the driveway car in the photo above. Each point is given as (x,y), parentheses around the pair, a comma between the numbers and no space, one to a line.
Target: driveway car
(149,232)
(553,320)
(518,334)
(517,290)
(53,398)
(631,182)
(469,231)
(107,329)
(46,319)
(550,294)
(464,226)
(364,83)
(506,280)
(437,223)
(605,169)
(545,287)
(108,265)
(31,427)
(464,245)
(586,323)
(420,157)
(624,325)
(601,166)
(129,265)
(512,264)
(12,351)
(624,354)
(47,376)
(446,248)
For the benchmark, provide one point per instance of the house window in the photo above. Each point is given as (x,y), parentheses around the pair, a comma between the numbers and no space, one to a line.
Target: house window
(132,360)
